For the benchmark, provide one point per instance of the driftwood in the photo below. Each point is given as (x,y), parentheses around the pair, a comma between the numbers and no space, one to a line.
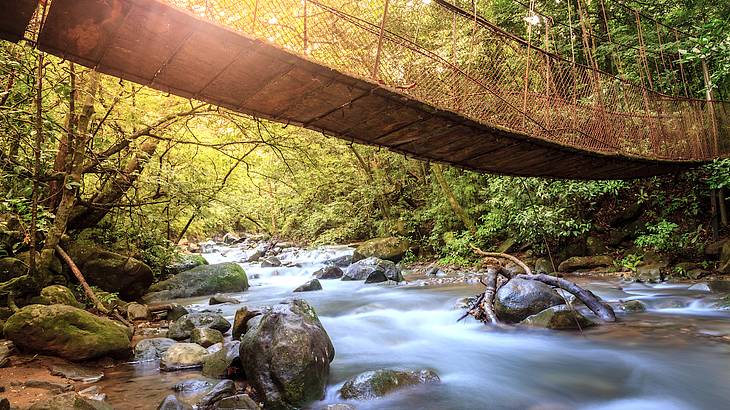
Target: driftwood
(593,302)
(483,309)
(80,277)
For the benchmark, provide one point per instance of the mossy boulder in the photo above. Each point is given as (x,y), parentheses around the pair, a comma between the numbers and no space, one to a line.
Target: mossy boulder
(633,306)
(110,271)
(390,248)
(66,331)
(185,262)
(585,263)
(202,280)
(559,318)
(378,383)
(543,265)
(520,298)
(286,355)
(58,295)
(206,336)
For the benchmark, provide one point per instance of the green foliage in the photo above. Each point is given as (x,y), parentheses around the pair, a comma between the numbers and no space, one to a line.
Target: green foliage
(661,237)
(630,262)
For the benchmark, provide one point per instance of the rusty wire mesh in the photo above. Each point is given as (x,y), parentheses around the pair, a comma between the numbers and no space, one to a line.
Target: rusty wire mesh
(450,61)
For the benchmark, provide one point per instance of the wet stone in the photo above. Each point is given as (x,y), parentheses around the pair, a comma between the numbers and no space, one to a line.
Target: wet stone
(76,373)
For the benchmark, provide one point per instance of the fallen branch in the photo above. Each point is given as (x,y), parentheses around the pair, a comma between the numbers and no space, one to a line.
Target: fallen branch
(503,256)
(487,304)
(87,289)
(593,302)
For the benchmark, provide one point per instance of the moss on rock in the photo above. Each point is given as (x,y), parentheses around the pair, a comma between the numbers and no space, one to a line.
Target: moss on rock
(390,248)
(202,280)
(66,331)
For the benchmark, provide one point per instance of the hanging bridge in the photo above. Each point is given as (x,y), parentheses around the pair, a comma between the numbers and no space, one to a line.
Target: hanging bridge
(425,78)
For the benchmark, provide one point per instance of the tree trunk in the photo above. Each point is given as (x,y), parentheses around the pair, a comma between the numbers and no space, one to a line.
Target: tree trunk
(112,192)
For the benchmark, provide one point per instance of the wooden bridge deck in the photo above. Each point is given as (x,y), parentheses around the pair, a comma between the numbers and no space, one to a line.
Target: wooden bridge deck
(153,44)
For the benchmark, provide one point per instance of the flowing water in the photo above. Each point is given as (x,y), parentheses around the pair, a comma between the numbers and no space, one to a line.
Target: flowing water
(674,356)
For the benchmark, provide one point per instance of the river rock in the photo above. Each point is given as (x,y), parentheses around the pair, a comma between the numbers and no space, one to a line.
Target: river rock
(559,318)
(633,306)
(183,327)
(700,287)
(58,295)
(69,401)
(390,248)
(585,263)
(223,389)
(309,286)
(651,271)
(171,402)
(220,364)
(176,312)
(360,270)
(377,276)
(255,256)
(378,383)
(339,406)
(286,355)
(240,321)
(270,262)
(185,262)
(543,265)
(237,402)
(340,261)
(137,311)
(328,272)
(67,332)
(221,299)
(183,356)
(206,336)
(76,373)
(520,298)
(152,349)
(110,271)
(92,393)
(227,277)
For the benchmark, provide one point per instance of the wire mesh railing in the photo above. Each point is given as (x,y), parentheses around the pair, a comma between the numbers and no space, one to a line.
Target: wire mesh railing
(457,62)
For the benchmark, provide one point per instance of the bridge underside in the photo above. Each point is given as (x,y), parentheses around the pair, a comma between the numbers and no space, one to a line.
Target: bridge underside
(153,44)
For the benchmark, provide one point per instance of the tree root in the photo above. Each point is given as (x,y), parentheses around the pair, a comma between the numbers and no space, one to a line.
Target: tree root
(483,308)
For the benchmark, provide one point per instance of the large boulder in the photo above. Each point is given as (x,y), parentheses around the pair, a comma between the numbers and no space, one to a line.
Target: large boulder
(520,298)
(66,331)
(378,383)
(360,270)
(391,248)
(183,327)
(585,263)
(110,271)
(202,280)
(286,355)
(559,318)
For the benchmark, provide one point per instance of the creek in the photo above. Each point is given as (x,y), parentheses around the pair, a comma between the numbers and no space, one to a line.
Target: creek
(676,355)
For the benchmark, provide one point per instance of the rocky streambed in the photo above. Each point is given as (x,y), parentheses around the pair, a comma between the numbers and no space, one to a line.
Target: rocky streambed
(398,345)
